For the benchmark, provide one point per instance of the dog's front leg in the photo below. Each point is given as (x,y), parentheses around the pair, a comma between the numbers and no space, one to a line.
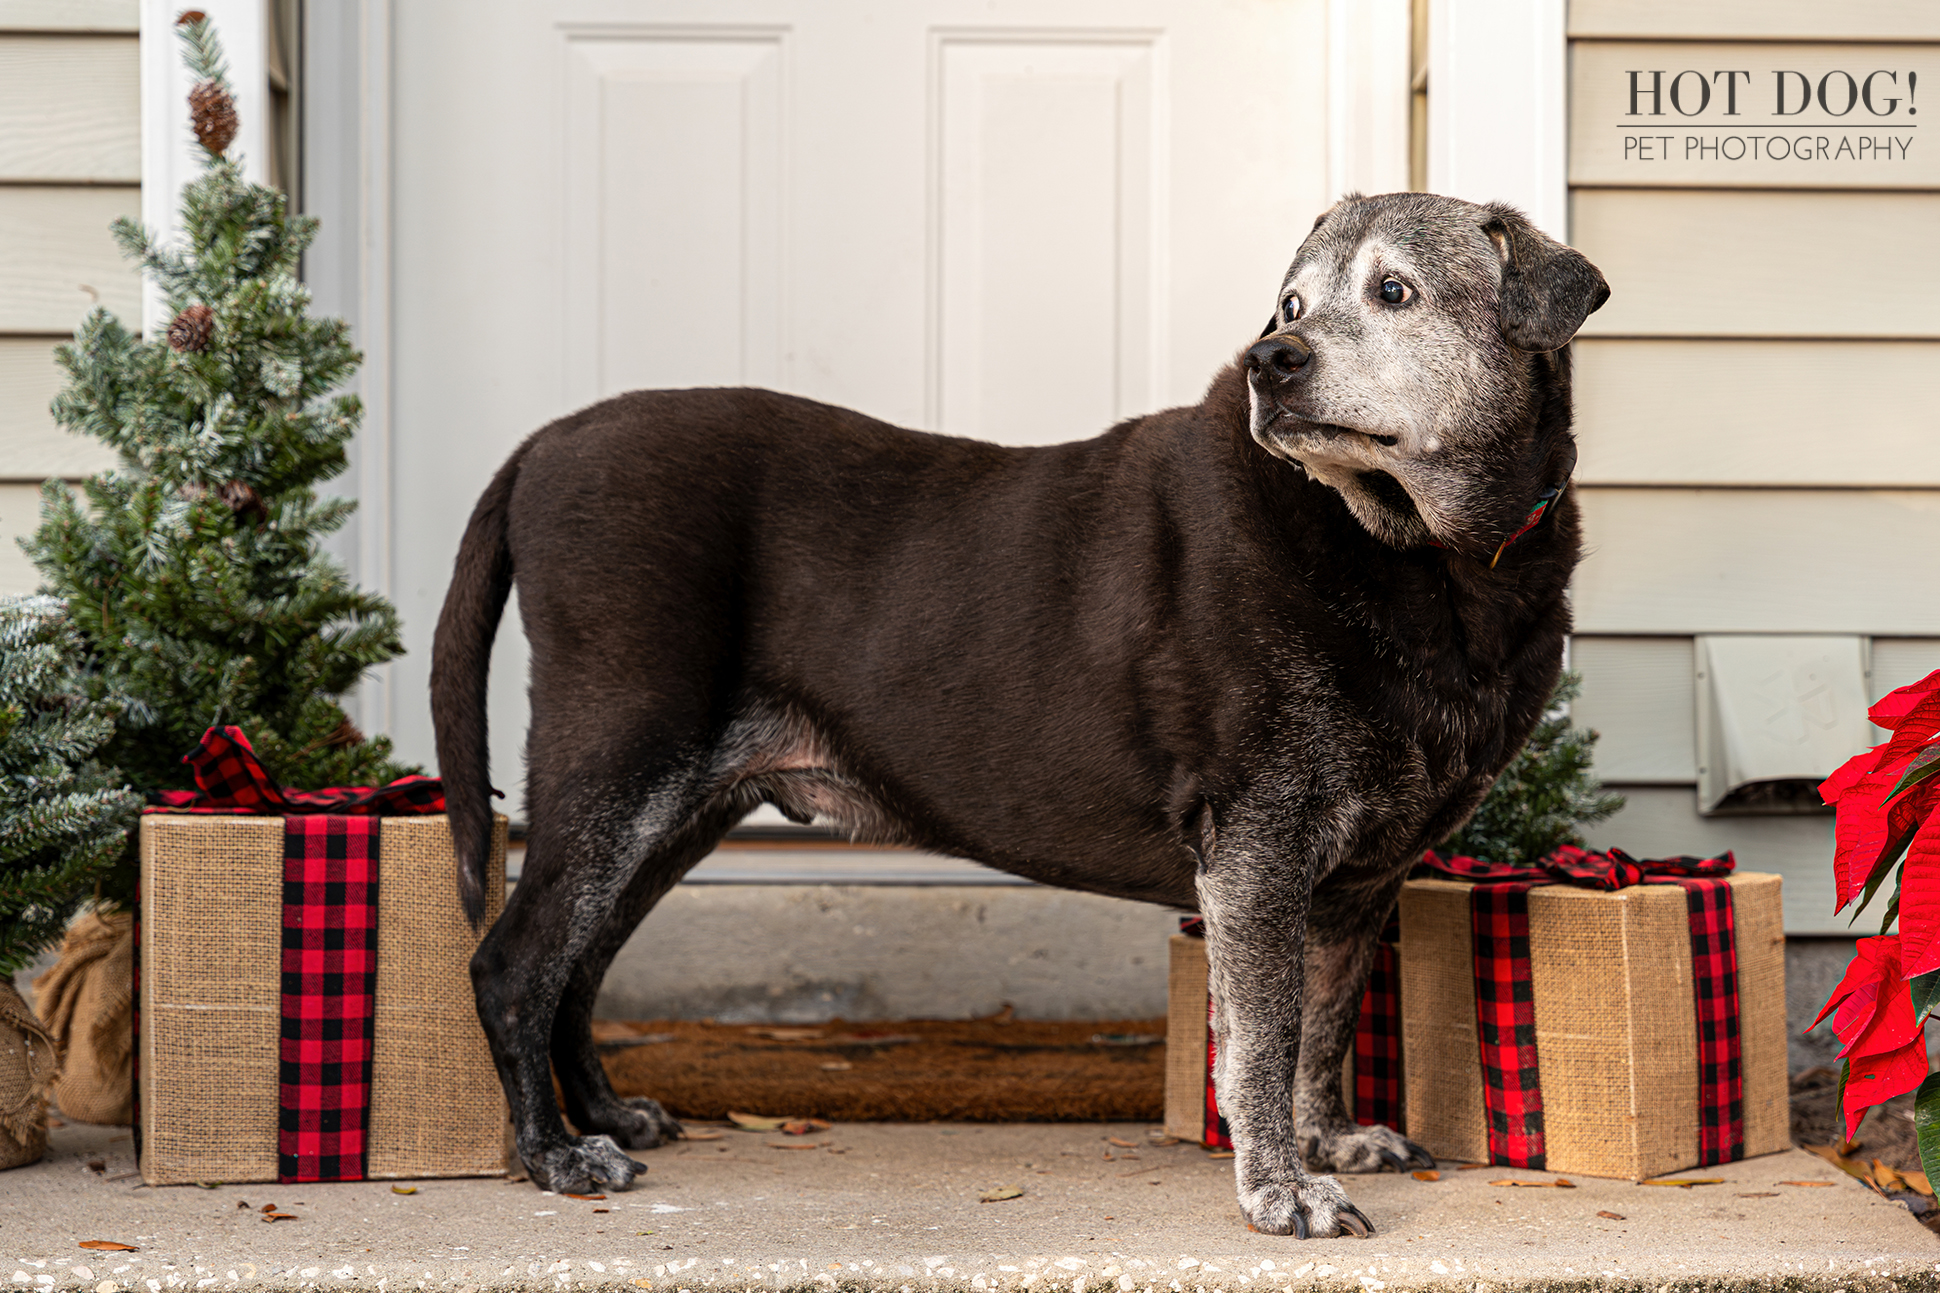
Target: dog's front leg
(1344,924)
(1254,896)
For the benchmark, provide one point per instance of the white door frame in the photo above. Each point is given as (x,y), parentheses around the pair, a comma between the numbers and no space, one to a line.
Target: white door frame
(1498,105)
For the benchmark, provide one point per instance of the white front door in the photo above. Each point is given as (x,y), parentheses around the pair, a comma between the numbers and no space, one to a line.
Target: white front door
(1016,221)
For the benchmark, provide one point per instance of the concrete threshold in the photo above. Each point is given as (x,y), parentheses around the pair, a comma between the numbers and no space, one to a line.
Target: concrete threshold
(895,1209)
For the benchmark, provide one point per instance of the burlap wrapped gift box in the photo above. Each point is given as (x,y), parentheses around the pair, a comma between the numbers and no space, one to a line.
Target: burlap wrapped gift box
(1610,1029)
(306,1008)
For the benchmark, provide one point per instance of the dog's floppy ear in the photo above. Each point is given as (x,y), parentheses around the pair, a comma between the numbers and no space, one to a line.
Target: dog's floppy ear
(1547,289)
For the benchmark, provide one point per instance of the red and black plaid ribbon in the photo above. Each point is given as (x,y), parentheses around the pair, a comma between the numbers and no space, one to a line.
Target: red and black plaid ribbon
(329,997)
(232,781)
(1376,1097)
(1505,1012)
(1377,1037)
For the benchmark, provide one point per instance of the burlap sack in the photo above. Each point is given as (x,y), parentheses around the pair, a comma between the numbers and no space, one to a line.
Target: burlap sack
(1186,1055)
(27,1068)
(1616,1027)
(88,1002)
(211,995)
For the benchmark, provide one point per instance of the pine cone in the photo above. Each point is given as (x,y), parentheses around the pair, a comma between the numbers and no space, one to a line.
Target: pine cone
(213,114)
(192,328)
(245,502)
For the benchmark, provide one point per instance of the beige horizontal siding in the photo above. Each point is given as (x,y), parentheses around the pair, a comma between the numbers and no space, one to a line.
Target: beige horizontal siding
(1684,561)
(1663,822)
(19,515)
(1793,412)
(32,447)
(70,108)
(70,15)
(1757,19)
(57,258)
(1899,661)
(1714,263)
(1697,139)
(1640,696)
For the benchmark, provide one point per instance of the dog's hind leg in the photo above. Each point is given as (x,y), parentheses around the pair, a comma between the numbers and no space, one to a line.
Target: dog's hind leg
(1345,923)
(596,819)
(591,1104)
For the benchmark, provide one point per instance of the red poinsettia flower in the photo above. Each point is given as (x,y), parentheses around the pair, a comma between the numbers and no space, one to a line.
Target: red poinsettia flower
(1875,823)
(1872,1011)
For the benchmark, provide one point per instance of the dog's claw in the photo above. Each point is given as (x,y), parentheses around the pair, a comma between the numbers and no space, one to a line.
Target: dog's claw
(1394,1160)
(1419,1157)
(1354,1223)
(1299,1224)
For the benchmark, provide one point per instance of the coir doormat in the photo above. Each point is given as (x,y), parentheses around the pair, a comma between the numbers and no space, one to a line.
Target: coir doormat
(978,1070)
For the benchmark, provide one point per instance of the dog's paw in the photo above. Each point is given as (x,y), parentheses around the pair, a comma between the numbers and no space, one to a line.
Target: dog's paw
(640,1123)
(1364,1149)
(582,1167)
(1311,1207)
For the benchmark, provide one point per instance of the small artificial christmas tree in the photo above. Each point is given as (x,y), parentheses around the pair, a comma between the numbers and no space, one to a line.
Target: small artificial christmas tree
(1543,796)
(63,818)
(194,571)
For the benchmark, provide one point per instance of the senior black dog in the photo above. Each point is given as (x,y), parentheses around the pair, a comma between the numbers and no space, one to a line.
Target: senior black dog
(1249,657)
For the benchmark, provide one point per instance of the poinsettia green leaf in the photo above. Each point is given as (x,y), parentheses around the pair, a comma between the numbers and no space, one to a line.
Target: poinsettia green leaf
(1839,1099)
(1926,1124)
(1888,859)
(1926,992)
(1925,764)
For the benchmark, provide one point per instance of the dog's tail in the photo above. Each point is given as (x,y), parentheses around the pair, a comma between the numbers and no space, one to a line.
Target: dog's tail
(461,659)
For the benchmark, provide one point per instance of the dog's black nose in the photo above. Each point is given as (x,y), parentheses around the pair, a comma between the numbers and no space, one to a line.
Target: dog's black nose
(1279,357)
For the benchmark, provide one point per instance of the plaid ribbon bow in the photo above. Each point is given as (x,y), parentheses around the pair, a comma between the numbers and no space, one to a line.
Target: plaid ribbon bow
(329,962)
(231,780)
(1505,1010)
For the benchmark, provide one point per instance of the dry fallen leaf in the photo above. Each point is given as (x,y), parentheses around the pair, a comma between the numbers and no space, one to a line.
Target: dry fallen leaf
(1558,1184)
(108,1246)
(1161,1142)
(999,1193)
(279,1216)
(755,1122)
(404,1189)
(97,1165)
(803,1126)
(268,1207)
(589,1198)
(1685,1182)
(1612,1216)
(1840,1156)
(1469,1167)
(602,1209)
(1810,1185)
(1428,1176)
(1122,1144)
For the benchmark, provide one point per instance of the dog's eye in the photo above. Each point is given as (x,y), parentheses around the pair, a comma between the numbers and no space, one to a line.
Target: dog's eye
(1394,291)
(1290,308)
